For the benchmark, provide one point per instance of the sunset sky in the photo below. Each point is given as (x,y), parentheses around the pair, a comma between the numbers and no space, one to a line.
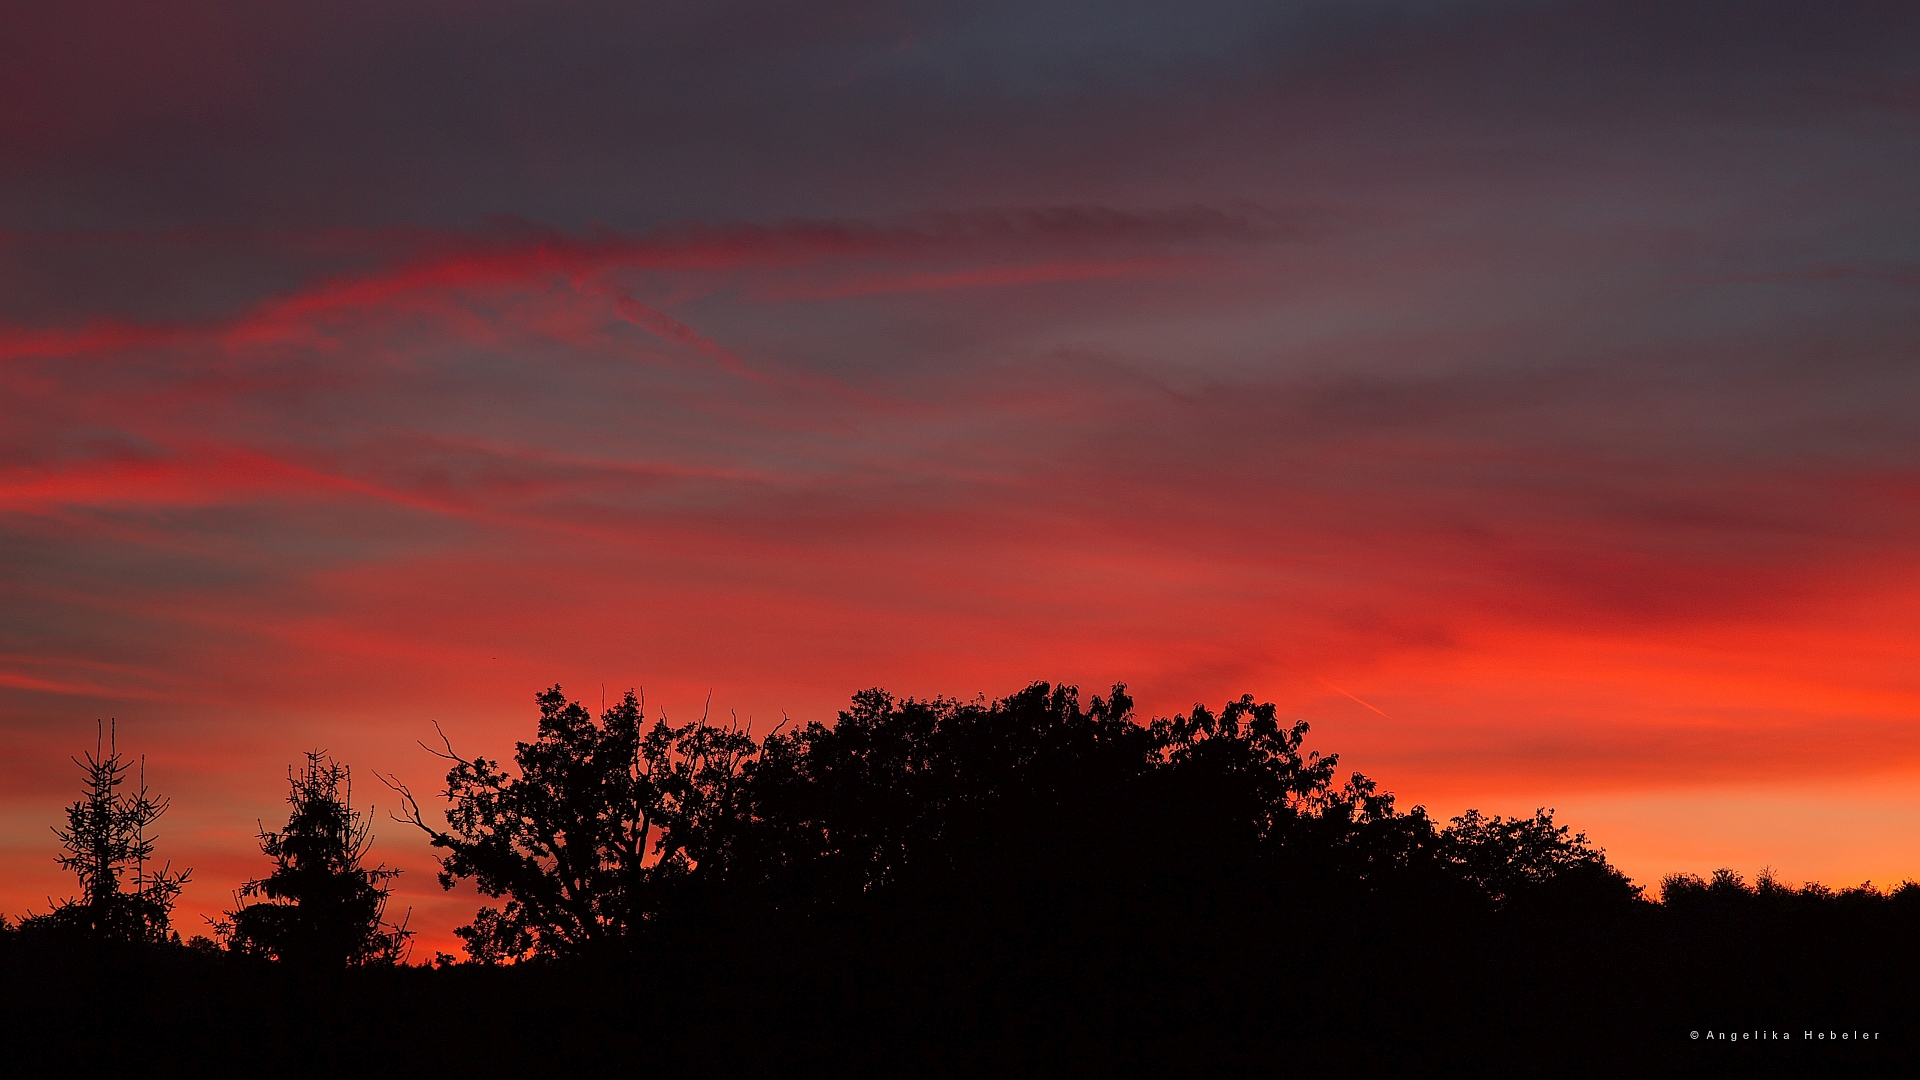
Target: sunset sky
(1523,393)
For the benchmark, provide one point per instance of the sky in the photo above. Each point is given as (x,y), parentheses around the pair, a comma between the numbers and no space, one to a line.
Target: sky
(1523,393)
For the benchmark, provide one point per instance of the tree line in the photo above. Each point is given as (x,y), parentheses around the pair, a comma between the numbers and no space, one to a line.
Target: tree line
(610,833)
(320,906)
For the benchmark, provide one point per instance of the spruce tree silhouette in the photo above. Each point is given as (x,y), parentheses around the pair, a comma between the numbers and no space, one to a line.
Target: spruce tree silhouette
(106,838)
(322,907)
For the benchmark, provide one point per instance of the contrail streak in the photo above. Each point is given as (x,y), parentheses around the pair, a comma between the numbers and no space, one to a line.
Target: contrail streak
(1331,686)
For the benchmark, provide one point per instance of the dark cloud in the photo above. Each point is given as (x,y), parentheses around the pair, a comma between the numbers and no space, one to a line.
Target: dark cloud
(635,114)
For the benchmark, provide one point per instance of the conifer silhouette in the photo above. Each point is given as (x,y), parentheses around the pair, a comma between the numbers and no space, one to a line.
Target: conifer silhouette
(106,837)
(321,906)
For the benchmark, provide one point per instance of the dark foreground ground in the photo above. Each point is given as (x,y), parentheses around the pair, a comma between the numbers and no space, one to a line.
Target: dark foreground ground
(1050,986)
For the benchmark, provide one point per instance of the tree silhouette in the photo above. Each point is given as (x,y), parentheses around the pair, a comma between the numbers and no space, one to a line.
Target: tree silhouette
(608,825)
(582,840)
(322,907)
(1038,788)
(106,838)
(1523,862)
(905,791)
